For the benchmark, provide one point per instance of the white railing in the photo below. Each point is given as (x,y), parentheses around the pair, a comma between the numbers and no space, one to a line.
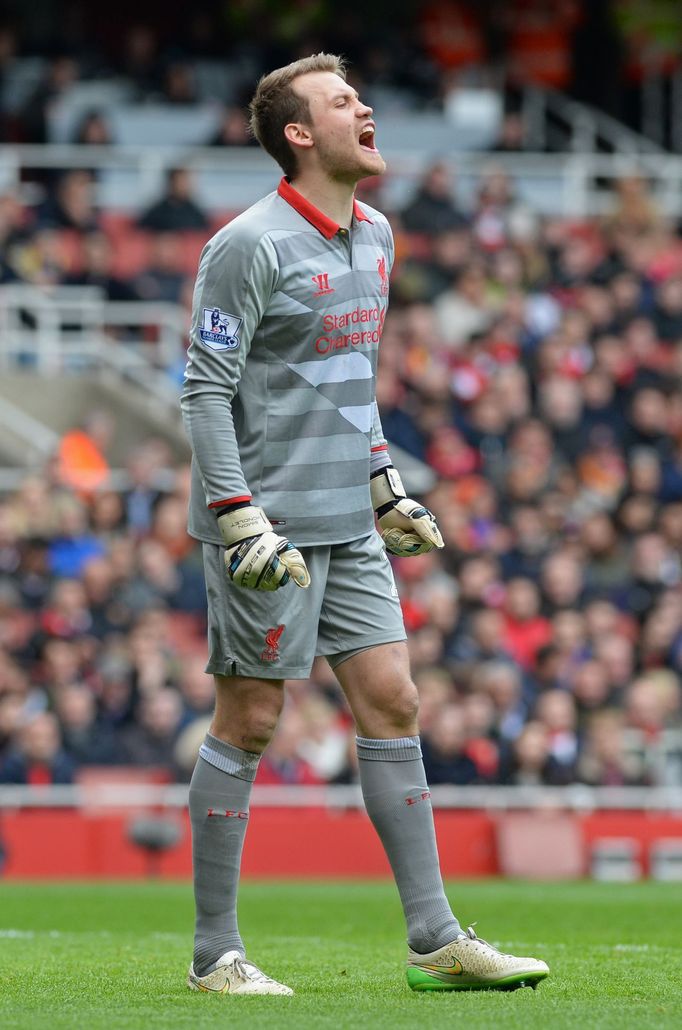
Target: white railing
(586,128)
(577,797)
(574,184)
(76,328)
(38,441)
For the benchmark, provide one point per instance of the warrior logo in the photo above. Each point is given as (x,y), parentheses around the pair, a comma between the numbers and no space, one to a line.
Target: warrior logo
(322,283)
(271,652)
(383,274)
(219,331)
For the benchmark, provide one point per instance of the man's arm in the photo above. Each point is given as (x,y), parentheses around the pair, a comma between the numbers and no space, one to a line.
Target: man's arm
(406,526)
(379,456)
(235,282)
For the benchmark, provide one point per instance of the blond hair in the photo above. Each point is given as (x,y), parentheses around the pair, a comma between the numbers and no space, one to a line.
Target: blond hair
(275,104)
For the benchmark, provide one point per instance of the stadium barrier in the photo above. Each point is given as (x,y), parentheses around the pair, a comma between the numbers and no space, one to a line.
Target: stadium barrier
(577,184)
(308,832)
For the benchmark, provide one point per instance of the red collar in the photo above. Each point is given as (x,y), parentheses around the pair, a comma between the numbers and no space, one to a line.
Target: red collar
(322,223)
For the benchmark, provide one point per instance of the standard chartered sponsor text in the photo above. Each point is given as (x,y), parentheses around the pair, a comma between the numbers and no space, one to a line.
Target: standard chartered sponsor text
(357,338)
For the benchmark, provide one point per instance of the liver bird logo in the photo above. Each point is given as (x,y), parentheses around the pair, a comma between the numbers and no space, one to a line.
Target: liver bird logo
(272,637)
(271,650)
(383,274)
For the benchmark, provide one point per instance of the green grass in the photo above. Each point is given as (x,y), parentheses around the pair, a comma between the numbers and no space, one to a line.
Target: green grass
(115,955)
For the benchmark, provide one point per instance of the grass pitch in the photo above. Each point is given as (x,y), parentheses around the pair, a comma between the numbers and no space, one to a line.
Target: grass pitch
(115,956)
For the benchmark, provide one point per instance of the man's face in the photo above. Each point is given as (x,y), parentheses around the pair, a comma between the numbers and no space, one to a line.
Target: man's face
(341,129)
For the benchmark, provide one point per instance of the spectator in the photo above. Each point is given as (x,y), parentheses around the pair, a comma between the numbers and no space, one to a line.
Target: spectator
(461,310)
(196,688)
(82,462)
(86,740)
(162,280)
(512,135)
(557,712)
(39,758)
(93,130)
(72,206)
(152,739)
(606,566)
(140,63)
(13,235)
(66,614)
(605,760)
(41,259)
(282,763)
(324,740)
(98,269)
(176,210)
(562,582)
(144,466)
(502,683)
(592,690)
(433,210)
(528,764)
(444,750)
(525,630)
(61,74)
(179,85)
(233,130)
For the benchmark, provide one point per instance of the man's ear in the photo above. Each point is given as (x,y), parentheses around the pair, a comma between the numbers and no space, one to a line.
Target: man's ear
(298,135)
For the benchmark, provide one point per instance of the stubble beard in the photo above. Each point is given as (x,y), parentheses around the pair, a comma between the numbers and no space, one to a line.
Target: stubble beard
(341,167)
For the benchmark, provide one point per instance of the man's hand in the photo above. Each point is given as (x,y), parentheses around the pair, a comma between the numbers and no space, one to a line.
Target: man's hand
(255,557)
(407,527)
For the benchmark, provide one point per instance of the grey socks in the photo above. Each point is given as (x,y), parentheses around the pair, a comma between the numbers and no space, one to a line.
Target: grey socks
(219,810)
(398,803)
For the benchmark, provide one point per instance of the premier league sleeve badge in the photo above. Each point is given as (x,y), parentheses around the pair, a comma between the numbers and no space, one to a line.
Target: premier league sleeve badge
(219,331)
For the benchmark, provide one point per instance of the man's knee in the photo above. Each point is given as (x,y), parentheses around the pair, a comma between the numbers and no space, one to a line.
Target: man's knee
(247,711)
(380,691)
(403,704)
(394,707)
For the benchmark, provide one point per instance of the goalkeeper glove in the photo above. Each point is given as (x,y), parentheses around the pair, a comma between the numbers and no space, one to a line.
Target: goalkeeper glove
(406,526)
(255,557)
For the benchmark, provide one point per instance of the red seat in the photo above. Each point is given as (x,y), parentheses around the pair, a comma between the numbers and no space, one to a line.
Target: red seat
(192,245)
(132,250)
(116,224)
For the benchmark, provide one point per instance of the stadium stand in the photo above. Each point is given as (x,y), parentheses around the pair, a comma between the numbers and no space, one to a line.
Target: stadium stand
(531,360)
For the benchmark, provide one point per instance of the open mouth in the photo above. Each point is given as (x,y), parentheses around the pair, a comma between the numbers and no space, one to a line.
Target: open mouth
(367,138)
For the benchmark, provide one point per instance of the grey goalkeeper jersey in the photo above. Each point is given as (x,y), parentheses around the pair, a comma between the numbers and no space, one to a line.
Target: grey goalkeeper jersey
(279,396)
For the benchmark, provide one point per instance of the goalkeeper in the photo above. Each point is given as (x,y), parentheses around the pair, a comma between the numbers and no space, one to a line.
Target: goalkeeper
(289,466)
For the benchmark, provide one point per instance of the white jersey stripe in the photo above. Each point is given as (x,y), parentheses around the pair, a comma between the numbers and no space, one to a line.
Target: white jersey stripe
(339,368)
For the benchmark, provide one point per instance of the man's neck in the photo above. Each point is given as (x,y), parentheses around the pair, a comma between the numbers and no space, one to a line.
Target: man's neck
(332,198)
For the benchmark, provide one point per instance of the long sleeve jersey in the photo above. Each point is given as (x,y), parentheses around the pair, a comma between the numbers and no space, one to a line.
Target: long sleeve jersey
(279,397)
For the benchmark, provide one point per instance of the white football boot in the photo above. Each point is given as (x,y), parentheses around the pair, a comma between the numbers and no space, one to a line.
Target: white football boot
(235,975)
(470,964)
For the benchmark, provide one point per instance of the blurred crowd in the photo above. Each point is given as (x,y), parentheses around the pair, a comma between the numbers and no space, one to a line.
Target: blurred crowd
(605,52)
(534,365)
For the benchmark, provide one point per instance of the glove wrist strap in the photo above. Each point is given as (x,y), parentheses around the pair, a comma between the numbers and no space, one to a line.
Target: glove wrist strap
(386,488)
(241,523)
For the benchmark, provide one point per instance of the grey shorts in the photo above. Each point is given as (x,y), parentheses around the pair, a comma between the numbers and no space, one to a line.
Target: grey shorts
(351,605)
